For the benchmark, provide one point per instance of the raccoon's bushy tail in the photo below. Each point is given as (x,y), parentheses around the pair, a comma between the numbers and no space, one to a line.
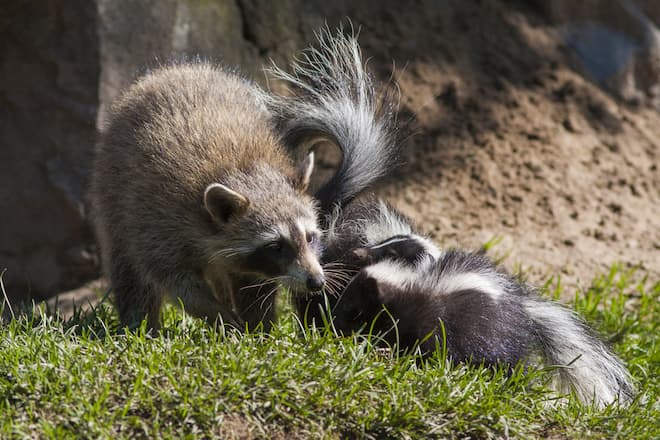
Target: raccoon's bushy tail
(585,365)
(334,100)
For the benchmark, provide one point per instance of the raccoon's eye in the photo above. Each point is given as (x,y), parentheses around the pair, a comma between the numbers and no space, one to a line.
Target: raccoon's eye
(311,237)
(275,246)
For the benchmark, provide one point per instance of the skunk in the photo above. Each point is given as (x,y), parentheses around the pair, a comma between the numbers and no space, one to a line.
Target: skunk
(464,304)
(374,258)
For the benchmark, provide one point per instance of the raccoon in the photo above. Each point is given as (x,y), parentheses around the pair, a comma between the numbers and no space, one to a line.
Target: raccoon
(194,197)
(462,303)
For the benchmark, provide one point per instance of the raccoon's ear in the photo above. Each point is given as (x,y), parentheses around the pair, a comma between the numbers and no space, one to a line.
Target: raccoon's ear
(304,173)
(223,203)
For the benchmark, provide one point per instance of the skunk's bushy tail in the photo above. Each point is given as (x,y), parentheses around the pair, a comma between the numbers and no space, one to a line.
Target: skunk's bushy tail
(584,364)
(333,99)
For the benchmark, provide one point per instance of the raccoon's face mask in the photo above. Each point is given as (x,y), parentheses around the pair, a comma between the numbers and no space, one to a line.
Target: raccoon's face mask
(291,258)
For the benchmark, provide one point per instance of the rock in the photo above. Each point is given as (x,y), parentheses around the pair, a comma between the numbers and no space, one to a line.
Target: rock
(616,42)
(48,96)
(169,30)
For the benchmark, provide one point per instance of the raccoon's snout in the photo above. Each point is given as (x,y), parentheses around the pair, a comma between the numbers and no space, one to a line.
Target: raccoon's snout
(315,282)
(309,271)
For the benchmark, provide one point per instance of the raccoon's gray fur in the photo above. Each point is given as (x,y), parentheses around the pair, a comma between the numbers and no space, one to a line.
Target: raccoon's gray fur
(195,199)
(482,314)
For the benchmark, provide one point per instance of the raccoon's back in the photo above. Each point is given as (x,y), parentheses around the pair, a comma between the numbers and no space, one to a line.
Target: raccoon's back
(182,124)
(172,133)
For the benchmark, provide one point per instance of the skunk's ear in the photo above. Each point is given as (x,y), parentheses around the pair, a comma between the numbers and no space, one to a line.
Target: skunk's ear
(223,203)
(362,254)
(304,173)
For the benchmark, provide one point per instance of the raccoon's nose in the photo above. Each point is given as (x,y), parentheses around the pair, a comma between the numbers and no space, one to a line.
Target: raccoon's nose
(315,282)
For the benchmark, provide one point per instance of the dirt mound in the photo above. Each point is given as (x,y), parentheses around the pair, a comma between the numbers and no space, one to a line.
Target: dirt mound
(514,142)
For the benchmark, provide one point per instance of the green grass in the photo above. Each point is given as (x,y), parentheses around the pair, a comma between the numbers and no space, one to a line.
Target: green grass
(81,379)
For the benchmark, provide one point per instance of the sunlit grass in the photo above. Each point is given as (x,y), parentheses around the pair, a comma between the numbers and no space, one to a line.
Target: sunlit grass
(83,378)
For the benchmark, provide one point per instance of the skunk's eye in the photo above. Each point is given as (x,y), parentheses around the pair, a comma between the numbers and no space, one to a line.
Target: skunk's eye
(392,253)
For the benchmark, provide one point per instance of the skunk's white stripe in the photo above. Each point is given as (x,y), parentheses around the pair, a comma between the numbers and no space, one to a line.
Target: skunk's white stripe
(397,274)
(392,272)
(390,242)
(385,225)
(455,282)
(429,246)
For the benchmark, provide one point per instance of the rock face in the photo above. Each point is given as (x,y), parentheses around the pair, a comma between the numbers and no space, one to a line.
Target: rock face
(168,30)
(48,105)
(465,69)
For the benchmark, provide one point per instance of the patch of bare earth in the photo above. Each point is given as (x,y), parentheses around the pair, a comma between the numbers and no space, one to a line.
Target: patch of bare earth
(511,142)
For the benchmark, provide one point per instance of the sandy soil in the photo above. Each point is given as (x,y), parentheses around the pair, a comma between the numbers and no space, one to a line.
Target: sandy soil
(511,141)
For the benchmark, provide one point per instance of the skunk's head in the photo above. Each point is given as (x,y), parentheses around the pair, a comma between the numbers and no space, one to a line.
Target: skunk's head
(385,299)
(358,305)
(386,283)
